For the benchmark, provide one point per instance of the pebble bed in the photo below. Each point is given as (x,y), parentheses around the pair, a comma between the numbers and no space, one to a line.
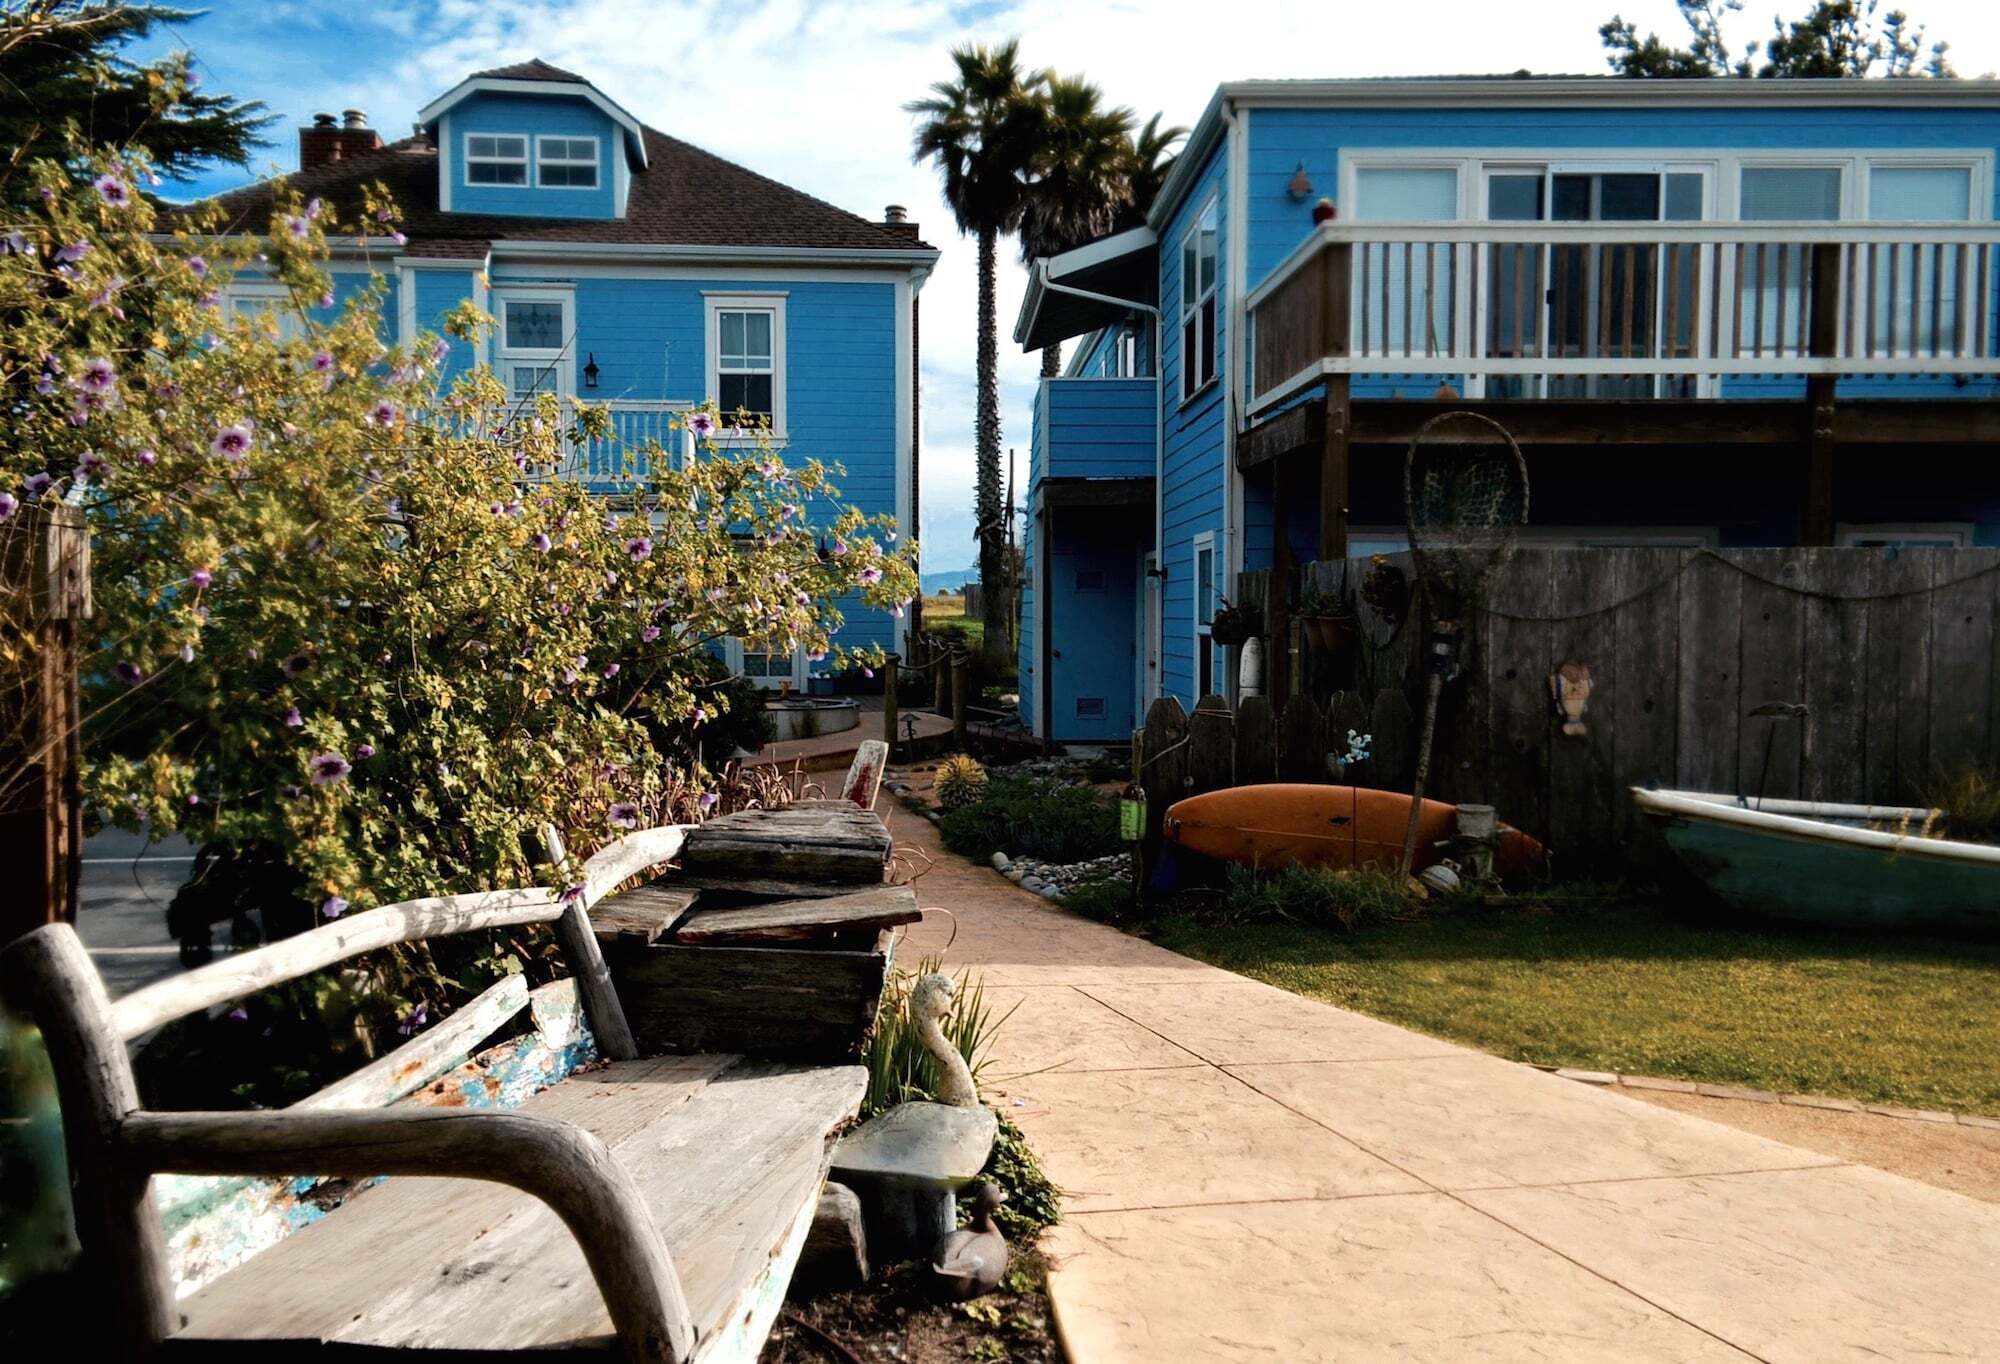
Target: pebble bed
(1053,880)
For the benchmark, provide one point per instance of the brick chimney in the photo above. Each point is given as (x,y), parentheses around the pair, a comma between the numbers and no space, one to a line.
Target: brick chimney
(897,219)
(328,141)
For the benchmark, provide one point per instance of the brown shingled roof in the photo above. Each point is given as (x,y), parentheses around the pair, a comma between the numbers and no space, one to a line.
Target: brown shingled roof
(685,197)
(536,70)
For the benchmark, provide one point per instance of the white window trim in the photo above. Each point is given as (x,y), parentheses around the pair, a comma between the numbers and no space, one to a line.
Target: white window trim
(560,358)
(1851,533)
(718,304)
(542,158)
(1199,627)
(241,290)
(1185,310)
(733,648)
(465,162)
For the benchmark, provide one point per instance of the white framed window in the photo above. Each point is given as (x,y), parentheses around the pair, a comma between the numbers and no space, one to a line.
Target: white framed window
(1199,276)
(1206,592)
(1904,535)
(566,162)
(746,361)
(534,345)
(265,298)
(496,159)
(766,664)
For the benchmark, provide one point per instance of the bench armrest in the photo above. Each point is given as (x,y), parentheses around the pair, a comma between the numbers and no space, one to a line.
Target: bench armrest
(567,1168)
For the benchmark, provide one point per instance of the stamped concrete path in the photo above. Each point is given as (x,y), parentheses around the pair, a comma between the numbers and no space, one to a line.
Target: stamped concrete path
(1252,1175)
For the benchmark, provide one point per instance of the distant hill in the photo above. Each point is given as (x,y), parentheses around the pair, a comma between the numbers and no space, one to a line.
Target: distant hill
(951,580)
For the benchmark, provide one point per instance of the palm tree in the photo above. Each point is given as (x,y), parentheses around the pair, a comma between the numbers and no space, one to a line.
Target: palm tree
(1149,160)
(1080,176)
(980,130)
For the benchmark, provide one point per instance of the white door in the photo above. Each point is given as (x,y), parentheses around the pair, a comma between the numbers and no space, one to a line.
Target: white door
(534,345)
(770,666)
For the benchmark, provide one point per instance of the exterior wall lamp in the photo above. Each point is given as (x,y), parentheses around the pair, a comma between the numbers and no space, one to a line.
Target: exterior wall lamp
(590,371)
(1301,184)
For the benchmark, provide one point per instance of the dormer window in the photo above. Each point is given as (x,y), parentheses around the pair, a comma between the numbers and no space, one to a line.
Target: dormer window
(566,162)
(496,159)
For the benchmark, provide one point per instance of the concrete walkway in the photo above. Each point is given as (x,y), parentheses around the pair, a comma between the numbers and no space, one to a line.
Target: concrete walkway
(1255,1176)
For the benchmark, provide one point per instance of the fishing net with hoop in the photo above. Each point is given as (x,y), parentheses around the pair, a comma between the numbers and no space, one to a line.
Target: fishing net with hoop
(1465,496)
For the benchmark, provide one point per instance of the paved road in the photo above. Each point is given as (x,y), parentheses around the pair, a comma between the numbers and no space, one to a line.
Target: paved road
(1251,1175)
(122,912)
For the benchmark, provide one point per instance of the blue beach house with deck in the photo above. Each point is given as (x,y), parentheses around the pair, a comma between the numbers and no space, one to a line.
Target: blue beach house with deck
(629,267)
(1712,312)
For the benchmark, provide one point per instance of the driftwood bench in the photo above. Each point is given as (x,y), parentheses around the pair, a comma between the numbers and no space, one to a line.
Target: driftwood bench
(681,1187)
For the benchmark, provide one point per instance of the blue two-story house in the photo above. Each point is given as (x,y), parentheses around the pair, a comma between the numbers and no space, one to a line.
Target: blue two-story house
(630,268)
(1711,312)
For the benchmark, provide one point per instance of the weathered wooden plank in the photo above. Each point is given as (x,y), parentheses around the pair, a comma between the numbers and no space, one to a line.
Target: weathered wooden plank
(636,853)
(1163,777)
(790,1002)
(1394,725)
(1584,798)
(410,921)
(1710,688)
(1896,757)
(1773,670)
(643,913)
(768,887)
(876,908)
(606,869)
(1838,619)
(1211,746)
(1256,742)
(1643,711)
(1302,741)
(1517,662)
(414,1064)
(1962,626)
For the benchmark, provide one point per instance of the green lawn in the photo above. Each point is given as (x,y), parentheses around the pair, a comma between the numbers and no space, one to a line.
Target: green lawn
(1649,992)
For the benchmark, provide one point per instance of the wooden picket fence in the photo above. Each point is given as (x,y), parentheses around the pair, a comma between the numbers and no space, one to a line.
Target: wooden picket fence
(1894,654)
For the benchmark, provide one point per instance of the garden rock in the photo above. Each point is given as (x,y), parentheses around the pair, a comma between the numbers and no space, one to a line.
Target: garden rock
(1000,861)
(836,1255)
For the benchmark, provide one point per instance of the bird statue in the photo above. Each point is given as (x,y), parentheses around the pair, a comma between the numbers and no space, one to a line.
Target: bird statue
(969,1263)
(930,1002)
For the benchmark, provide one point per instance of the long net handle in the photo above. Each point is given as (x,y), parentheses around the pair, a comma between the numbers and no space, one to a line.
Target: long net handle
(1433,685)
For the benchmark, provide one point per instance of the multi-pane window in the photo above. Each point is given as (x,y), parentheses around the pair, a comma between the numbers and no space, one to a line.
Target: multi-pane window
(746,365)
(496,159)
(566,162)
(1204,615)
(249,299)
(532,351)
(1198,291)
(1914,297)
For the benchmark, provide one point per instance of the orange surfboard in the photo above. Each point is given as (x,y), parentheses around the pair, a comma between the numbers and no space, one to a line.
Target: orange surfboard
(1325,826)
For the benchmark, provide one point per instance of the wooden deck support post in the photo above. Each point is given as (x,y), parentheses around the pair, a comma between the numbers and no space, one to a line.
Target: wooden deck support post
(1334,437)
(961,664)
(45,565)
(891,665)
(1277,599)
(1822,339)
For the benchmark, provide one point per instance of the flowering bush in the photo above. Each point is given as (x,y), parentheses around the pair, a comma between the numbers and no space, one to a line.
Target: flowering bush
(344,609)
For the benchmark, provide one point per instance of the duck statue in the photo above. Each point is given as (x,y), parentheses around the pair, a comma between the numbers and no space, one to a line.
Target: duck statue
(970,1262)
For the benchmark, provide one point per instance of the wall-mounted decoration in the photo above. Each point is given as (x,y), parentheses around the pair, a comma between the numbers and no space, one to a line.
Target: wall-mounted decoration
(1570,685)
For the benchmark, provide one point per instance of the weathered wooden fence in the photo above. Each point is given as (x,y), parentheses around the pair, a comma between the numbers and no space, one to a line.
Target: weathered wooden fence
(1894,654)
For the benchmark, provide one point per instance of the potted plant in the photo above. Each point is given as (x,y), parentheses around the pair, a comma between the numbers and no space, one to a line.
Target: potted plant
(1329,625)
(1234,625)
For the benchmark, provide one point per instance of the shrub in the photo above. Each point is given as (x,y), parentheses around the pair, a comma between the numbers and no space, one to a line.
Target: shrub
(1970,800)
(1108,901)
(1317,895)
(961,781)
(1040,817)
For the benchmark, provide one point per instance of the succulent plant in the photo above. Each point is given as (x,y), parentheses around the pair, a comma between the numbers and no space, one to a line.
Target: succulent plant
(961,781)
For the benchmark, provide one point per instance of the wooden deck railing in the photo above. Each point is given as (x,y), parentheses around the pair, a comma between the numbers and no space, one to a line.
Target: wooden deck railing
(1624,309)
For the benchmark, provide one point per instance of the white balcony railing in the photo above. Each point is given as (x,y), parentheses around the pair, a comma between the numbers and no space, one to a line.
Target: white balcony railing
(1624,309)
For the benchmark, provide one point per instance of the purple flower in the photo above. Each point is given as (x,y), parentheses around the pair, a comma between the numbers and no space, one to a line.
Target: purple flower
(639,547)
(129,673)
(72,253)
(572,893)
(313,207)
(399,239)
(326,299)
(333,907)
(9,504)
(231,442)
(439,349)
(147,457)
(385,414)
(293,719)
(610,670)
(382,215)
(365,752)
(198,267)
(413,1020)
(36,484)
(99,376)
(239,1014)
(187,653)
(649,634)
(839,546)
(201,577)
(542,542)
(870,575)
(701,423)
(623,815)
(92,465)
(327,768)
(16,242)
(708,801)
(299,227)
(323,361)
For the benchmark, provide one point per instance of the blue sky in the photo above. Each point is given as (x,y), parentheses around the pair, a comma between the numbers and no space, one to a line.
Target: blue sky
(810,92)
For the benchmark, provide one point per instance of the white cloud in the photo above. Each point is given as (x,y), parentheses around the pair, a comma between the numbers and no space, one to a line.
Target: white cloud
(810,92)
